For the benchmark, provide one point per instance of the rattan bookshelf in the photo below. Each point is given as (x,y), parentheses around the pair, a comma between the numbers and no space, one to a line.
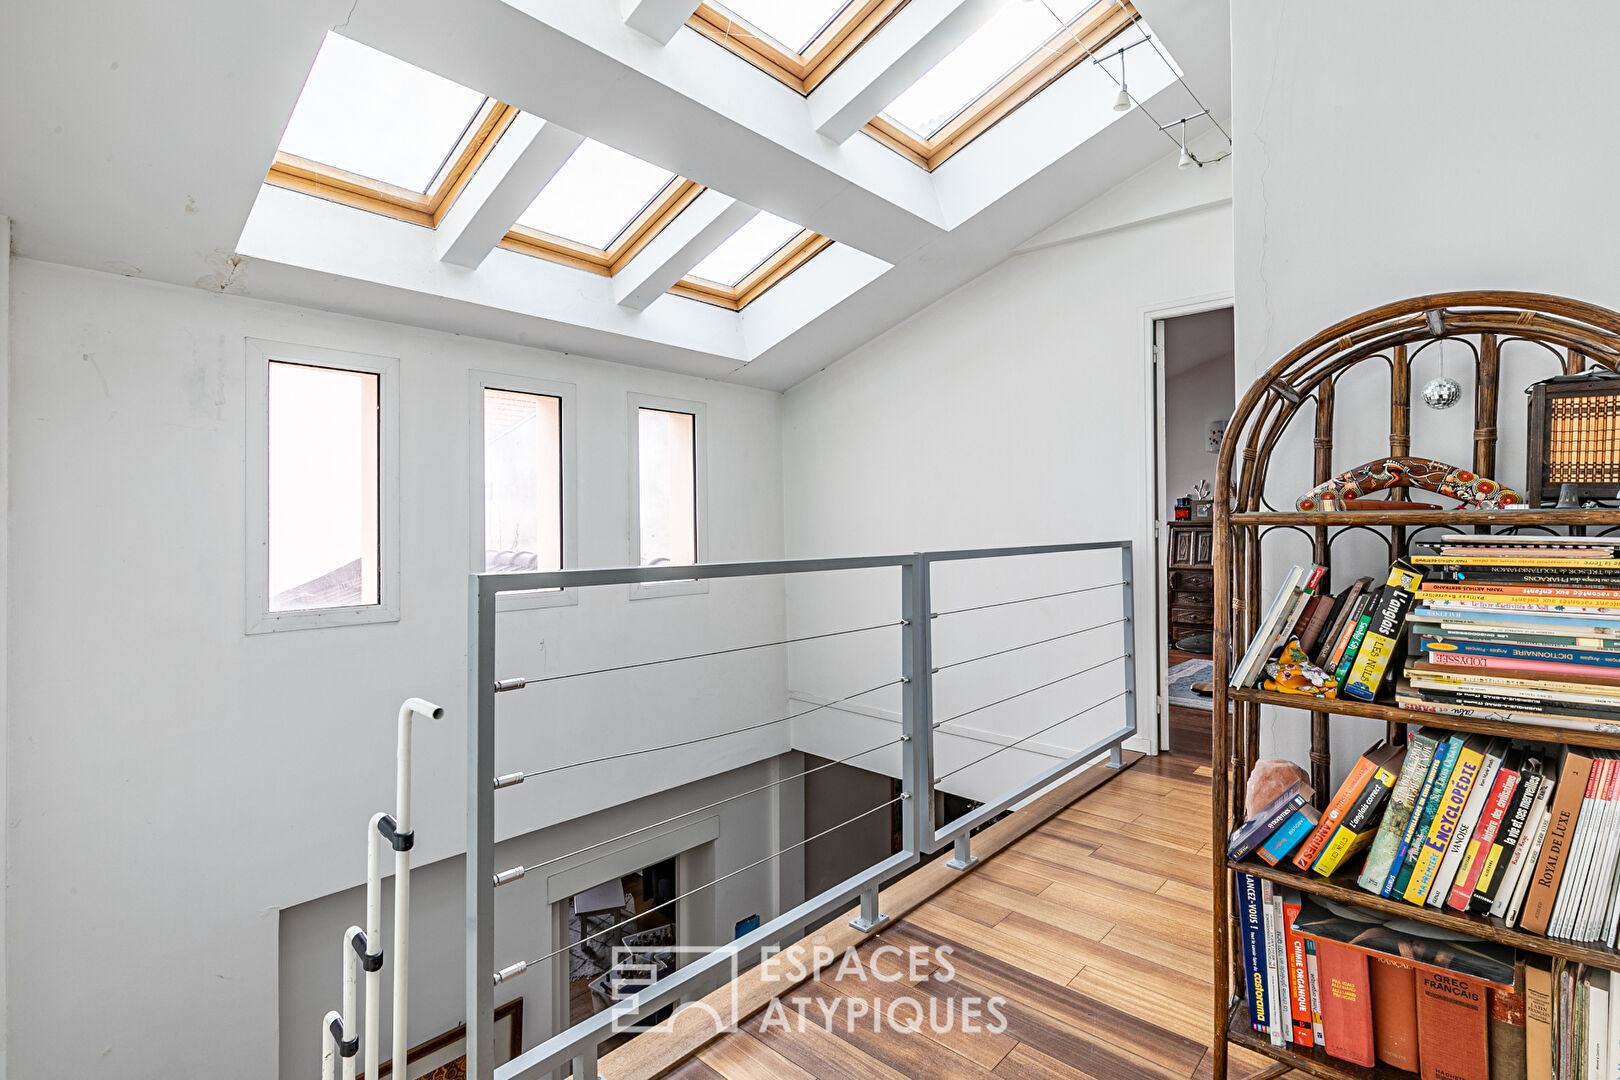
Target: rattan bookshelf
(1574,337)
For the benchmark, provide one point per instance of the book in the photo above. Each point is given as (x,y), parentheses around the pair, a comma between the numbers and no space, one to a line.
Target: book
(1465,660)
(1564,623)
(1394,1012)
(1341,803)
(1277,1027)
(1279,618)
(1443,688)
(1460,561)
(1299,987)
(1427,806)
(1470,760)
(1453,1028)
(1341,642)
(1381,638)
(1597,1022)
(1509,590)
(1343,604)
(1282,843)
(1527,575)
(1315,982)
(1507,1030)
(1578,855)
(1416,703)
(1496,856)
(1594,687)
(1527,874)
(1251,930)
(1478,793)
(1254,832)
(1403,798)
(1611,1055)
(1561,815)
(1529,542)
(1355,832)
(1526,844)
(1428,643)
(1497,803)
(1358,632)
(1538,1018)
(1312,620)
(1593,885)
(1347,1023)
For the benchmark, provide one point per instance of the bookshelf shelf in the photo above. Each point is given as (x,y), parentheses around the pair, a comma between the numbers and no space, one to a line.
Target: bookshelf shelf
(1458,518)
(1298,392)
(1480,926)
(1313,1062)
(1396,715)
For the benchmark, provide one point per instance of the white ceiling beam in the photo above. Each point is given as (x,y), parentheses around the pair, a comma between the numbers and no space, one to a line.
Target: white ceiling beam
(683,243)
(658,19)
(525,159)
(918,37)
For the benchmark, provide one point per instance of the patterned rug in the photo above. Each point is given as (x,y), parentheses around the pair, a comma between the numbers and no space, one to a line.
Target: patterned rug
(1182,676)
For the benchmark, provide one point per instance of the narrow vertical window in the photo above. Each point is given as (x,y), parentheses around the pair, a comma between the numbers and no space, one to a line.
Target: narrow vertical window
(323,544)
(667,471)
(523,481)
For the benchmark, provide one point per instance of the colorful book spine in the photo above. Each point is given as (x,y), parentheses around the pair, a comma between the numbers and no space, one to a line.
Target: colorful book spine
(1276,965)
(1313,975)
(1252,833)
(1358,633)
(1460,785)
(1489,588)
(1499,856)
(1251,927)
(1459,562)
(1497,802)
(1464,660)
(1360,822)
(1360,773)
(1547,654)
(1428,805)
(1299,986)
(1382,638)
(1288,836)
(1472,809)
(1403,799)
(1549,868)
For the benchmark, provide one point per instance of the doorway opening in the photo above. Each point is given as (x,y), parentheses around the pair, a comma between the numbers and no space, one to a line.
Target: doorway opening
(639,940)
(1196,388)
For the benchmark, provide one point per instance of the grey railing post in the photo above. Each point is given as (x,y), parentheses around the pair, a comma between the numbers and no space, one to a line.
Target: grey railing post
(1127,570)
(917,642)
(480,896)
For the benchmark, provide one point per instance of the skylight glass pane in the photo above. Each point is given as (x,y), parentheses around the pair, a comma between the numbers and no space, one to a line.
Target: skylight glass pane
(367,113)
(984,59)
(745,249)
(792,24)
(597,192)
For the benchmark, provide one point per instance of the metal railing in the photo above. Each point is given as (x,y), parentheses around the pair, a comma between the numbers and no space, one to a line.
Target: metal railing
(577,1046)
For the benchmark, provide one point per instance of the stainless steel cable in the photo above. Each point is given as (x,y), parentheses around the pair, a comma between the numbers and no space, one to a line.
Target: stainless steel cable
(1025,599)
(710,738)
(716,881)
(1031,735)
(712,652)
(718,802)
(1030,644)
(1031,690)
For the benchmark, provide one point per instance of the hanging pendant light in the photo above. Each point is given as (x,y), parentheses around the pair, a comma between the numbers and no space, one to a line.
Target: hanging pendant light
(1187,159)
(1123,102)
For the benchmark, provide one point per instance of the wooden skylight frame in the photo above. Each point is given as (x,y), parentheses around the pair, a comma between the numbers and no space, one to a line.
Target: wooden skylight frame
(798,71)
(676,196)
(351,189)
(787,258)
(1058,55)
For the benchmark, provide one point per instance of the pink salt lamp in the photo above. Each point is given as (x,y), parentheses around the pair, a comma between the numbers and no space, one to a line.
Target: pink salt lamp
(1269,779)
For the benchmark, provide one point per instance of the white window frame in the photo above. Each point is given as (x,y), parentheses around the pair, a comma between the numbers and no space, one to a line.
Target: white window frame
(700,485)
(478,382)
(260,619)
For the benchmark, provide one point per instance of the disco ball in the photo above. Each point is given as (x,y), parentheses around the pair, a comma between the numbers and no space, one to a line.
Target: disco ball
(1442,393)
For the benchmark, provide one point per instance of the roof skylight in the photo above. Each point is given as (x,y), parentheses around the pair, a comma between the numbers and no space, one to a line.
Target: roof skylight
(1012,36)
(793,26)
(372,115)
(745,250)
(595,196)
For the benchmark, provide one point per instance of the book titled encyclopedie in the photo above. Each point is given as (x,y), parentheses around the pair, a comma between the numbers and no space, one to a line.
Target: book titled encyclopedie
(1381,639)
(1450,863)
(1427,806)
(1403,800)
(1470,760)
(1561,817)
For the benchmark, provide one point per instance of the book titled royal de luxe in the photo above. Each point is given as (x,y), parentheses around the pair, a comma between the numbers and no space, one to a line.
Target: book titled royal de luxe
(1355,832)
(1394,1005)
(1403,798)
(1343,800)
(1562,814)
(1381,640)
(1453,1026)
(1254,832)
(1347,1019)
(1470,760)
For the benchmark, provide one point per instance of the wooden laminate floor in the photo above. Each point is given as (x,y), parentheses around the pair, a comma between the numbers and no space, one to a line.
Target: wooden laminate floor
(1093,929)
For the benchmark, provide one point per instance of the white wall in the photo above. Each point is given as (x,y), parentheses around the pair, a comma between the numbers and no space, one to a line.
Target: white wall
(1012,412)
(1475,159)
(176,783)
(1198,389)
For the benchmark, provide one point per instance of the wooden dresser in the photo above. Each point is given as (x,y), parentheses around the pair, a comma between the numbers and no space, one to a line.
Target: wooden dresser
(1191,576)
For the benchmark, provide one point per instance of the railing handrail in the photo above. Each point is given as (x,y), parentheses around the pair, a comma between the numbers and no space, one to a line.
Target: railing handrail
(578,1044)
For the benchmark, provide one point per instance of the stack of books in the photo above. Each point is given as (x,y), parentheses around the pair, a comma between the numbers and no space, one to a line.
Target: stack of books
(1327,645)
(1517,628)
(1367,993)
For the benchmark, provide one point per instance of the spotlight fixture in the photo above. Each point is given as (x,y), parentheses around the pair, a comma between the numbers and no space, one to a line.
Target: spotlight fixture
(1122,103)
(1186,158)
